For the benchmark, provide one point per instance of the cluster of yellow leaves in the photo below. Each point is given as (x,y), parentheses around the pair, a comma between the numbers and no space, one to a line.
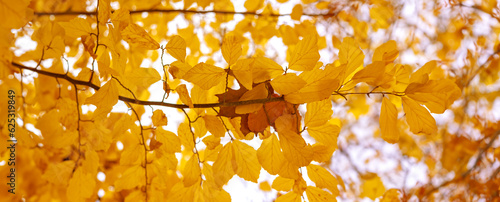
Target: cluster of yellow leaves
(156,164)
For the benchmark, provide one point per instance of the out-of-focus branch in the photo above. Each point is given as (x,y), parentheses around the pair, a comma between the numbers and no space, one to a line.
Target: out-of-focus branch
(140,11)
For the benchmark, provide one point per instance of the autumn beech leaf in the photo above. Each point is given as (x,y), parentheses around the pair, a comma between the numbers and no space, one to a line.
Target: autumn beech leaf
(184,95)
(295,148)
(282,184)
(131,154)
(105,98)
(205,75)
(351,56)
(436,95)
(258,92)
(138,37)
(318,113)
(59,173)
(289,170)
(374,74)
(270,156)
(132,177)
(211,141)
(247,166)
(231,49)
(315,194)
(322,153)
(289,197)
(372,187)
(418,118)
(120,18)
(176,47)
(297,13)
(287,83)
(326,134)
(320,85)
(104,11)
(15,14)
(387,52)
(305,54)
(264,69)
(81,185)
(170,142)
(421,76)
(223,166)
(191,171)
(214,125)
(159,118)
(241,70)
(178,69)
(76,27)
(388,121)
(300,185)
(322,178)
(143,77)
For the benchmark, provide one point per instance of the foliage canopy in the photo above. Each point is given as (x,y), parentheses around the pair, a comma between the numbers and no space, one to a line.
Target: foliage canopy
(303,100)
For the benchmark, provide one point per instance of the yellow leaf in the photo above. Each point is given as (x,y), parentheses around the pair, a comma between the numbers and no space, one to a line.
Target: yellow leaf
(138,37)
(264,69)
(320,85)
(104,11)
(295,148)
(436,95)
(318,113)
(247,165)
(322,153)
(270,156)
(264,186)
(76,27)
(326,134)
(223,168)
(421,76)
(131,154)
(170,142)
(287,83)
(231,49)
(184,95)
(81,186)
(288,35)
(15,14)
(132,177)
(351,55)
(106,97)
(186,136)
(159,118)
(178,69)
(315,194)
(386,52)
(191,171)
(143,77)
(253,5)
(372,187)
(289,197)
(211,141)
(59,173)
(296,12)
(120,18)
(258,92)
(283,184)
(418,118)
(305,54)
(374,74)
(388,121)
(205,75)
(176,47)
(289,170)
(391,195)
(214,126)
(243,73)
(322,178)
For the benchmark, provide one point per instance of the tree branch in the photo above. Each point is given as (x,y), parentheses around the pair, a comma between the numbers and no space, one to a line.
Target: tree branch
(140,11)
